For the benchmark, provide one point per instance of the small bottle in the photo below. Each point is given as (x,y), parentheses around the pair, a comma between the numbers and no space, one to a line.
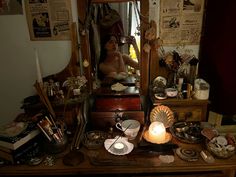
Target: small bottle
(184,90)
(110,133)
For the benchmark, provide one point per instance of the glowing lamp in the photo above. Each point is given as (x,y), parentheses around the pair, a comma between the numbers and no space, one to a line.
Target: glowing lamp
(157,132)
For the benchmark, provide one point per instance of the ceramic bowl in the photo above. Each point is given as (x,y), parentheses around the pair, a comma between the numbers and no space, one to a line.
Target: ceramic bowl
(171,92)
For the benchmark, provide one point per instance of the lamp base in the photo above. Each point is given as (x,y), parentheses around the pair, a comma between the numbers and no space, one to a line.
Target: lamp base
(168,137)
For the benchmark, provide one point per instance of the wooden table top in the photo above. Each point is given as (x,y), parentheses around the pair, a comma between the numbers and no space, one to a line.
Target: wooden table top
(100,161)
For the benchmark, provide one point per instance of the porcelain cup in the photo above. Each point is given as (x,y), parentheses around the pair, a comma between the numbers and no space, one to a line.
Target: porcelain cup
(130,127)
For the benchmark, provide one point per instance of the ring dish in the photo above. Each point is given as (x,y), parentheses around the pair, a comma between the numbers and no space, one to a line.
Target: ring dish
(109,146)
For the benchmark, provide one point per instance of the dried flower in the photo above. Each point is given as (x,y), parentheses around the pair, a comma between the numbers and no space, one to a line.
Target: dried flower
(75,82)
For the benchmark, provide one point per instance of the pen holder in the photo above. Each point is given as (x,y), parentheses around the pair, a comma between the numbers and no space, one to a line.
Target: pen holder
(54,147)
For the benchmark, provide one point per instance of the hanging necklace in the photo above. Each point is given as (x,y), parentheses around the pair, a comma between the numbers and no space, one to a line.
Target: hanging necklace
(86,21)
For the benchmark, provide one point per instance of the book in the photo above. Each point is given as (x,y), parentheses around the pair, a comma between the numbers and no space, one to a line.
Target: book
(21,155)
(14,142)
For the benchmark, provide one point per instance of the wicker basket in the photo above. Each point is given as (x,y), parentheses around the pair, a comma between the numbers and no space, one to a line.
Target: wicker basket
(222,153)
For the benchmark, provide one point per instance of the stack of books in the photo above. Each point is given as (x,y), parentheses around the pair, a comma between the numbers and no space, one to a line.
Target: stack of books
(18,143)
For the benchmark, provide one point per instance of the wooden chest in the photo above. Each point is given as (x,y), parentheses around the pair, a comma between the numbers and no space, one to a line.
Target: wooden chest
(110,107)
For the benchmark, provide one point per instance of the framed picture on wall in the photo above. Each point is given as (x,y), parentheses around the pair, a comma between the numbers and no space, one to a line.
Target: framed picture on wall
(48,20)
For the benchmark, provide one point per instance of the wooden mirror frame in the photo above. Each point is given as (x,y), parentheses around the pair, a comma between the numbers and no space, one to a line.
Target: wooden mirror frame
(85,48)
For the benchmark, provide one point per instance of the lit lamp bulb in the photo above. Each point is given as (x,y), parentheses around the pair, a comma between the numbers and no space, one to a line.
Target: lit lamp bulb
(157,132)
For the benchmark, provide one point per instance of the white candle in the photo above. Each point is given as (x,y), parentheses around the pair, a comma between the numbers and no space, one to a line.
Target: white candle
(157,132)
(119,146)
(38,70)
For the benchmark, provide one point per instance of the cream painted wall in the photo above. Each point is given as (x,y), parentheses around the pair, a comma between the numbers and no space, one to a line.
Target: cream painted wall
(17,62)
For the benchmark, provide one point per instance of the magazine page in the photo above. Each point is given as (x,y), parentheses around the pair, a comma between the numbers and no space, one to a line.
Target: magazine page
(49,20)
(181,21)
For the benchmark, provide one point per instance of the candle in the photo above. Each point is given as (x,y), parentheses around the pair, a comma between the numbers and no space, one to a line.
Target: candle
(119,146)
(39,76)
(157,132)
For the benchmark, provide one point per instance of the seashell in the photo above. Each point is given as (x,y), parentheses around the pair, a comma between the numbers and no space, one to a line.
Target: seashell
(213,140)
(221,140)
(146,48)
(162,114)
(85,63)
(230,148)
(218,148)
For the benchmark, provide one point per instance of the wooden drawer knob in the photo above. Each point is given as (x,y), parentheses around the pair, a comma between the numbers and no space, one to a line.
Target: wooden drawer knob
(188,115)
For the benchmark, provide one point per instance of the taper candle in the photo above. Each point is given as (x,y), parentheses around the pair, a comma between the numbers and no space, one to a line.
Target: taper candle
(38,70)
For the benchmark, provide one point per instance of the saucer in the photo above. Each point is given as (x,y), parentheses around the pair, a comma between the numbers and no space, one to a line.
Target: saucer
(128,147)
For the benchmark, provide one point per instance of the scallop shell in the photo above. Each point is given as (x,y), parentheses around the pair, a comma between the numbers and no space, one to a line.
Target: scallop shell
(221,140)
(162,114)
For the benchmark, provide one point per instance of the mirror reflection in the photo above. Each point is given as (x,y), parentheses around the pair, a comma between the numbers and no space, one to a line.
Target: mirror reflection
(115,40)
(113,63)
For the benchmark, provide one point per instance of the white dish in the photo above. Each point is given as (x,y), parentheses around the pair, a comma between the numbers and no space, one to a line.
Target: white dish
(128,147)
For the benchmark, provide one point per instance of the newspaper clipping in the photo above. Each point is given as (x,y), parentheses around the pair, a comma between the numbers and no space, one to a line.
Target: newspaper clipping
(181,21)
(49,20)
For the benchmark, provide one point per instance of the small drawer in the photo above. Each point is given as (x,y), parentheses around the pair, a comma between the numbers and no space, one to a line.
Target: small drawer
(187,113)
(105,120)
(121,103)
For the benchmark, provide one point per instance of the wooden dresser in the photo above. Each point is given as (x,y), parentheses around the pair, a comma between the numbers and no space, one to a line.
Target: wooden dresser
(185,109)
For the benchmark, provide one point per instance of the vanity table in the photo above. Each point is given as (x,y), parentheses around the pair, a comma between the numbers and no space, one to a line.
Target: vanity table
(100,162)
